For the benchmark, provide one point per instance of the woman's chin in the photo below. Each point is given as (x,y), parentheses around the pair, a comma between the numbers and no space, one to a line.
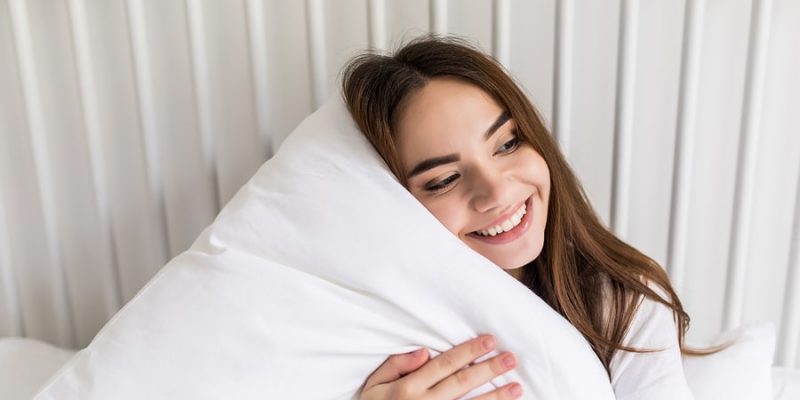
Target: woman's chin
(517,263)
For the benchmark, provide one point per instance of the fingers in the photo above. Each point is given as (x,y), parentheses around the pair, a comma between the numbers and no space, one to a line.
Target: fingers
(466,379)
(397,366)
(510,391)
(449,375)
(453,360)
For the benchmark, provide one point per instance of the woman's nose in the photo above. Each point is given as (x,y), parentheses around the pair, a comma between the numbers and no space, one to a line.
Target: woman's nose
(489,191)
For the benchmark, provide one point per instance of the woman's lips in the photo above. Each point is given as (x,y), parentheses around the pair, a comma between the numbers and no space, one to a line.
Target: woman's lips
(513,234)
(502,218)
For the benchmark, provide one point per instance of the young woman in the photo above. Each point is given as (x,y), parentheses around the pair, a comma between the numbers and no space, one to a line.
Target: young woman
(465,141)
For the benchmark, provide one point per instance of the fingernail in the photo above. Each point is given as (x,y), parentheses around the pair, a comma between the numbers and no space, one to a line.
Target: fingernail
(487,343)
(508,360)
(515,390)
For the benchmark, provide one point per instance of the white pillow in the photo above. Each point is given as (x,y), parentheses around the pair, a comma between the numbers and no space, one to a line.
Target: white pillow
(320,267)
(25,364)
(742,371)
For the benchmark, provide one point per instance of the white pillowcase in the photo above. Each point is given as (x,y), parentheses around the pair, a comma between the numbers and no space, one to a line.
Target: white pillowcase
(742,371)
(320,267)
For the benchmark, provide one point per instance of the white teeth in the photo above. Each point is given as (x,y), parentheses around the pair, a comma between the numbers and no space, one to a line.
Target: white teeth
(506,225)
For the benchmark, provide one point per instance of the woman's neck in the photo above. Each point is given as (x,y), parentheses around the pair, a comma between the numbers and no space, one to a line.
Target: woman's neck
(516,272)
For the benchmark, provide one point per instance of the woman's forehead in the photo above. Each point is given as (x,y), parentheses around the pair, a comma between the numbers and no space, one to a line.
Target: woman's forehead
(445,107)
(445,91)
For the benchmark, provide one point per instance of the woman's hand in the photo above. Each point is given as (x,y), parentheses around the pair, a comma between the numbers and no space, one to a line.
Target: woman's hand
(447,376)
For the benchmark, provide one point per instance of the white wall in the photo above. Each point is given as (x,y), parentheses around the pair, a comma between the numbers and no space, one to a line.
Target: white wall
(126,124)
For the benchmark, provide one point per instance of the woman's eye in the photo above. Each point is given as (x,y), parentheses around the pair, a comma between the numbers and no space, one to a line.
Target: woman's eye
(509,146)
(442,184)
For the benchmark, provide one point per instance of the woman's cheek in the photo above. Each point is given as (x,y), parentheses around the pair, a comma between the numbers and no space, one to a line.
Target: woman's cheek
(448,215)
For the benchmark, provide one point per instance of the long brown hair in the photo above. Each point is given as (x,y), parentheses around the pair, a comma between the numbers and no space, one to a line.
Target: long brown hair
(582,268)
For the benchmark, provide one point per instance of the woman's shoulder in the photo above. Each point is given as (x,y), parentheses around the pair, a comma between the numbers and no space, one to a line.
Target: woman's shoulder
(653,322)
(652,308)
(653,327)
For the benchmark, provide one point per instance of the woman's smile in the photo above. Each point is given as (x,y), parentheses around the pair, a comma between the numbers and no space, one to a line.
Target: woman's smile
(511,227)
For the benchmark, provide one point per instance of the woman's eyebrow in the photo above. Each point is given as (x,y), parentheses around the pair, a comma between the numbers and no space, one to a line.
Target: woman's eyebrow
(433,163)
(500,121)
(451,158)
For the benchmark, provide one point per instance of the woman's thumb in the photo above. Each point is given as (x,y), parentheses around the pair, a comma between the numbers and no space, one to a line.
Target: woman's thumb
(398,365)
(410,362)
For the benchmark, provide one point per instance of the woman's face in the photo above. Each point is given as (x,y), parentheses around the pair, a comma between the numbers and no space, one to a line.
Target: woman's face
(466,166)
